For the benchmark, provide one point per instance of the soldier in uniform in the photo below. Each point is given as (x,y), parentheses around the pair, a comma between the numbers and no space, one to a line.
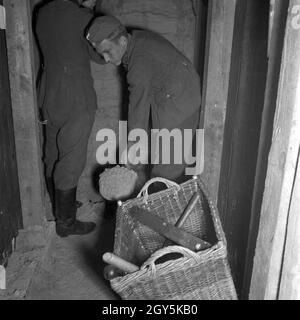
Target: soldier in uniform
(68,101)
(164,87)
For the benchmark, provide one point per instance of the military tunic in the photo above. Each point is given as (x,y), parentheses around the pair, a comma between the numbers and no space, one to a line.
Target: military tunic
(164,90)
(66,94)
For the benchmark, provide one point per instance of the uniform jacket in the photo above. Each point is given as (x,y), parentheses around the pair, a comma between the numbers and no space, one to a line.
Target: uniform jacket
(66,85)
(161,79)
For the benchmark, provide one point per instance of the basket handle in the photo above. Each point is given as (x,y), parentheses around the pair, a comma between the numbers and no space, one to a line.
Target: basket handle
(150,263)
(168,183)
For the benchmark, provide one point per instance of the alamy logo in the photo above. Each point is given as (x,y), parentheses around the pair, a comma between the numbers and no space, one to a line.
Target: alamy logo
(162,146)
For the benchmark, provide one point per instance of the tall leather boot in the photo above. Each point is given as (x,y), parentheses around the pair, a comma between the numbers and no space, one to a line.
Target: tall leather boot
(51,191)
(66,223)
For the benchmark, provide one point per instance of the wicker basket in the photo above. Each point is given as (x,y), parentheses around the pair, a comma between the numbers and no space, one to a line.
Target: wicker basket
(202,275)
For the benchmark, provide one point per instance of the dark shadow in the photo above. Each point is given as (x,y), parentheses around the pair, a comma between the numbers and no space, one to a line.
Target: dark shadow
(39,66)
(103,241)
(124,94)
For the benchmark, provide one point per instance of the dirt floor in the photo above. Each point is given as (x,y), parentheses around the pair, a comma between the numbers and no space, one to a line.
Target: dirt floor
(47,267)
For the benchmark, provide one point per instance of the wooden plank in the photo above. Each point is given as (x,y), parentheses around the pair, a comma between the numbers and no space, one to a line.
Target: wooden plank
(279,16)
(242,128)
(201,11)
(290,278)
(273,4)
(10,206)
(281,170)
(215,89)
(23,94)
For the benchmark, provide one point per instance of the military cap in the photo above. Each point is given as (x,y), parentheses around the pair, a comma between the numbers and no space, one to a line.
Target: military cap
(104,27)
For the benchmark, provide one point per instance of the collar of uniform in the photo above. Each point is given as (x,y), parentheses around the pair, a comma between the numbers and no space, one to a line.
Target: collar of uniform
(128,52)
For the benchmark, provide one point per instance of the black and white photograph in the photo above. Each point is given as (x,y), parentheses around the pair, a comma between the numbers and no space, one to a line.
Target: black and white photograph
(149,153)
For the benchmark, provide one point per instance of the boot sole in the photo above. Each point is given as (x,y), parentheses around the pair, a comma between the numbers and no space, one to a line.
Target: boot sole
(70,233)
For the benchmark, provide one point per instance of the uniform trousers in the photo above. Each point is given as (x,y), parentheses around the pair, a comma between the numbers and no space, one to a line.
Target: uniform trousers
(66,148)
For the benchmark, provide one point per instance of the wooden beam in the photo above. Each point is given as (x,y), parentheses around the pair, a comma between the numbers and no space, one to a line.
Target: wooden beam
(24,105)
(215,89)
(245,102)
(290,277)
(201,11)
(279,185)
(276,37)
(10,204)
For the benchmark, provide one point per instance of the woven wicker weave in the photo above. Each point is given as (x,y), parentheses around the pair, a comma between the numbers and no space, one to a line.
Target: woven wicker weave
(203,275)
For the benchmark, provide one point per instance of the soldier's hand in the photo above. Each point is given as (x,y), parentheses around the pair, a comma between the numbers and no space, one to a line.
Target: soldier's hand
(135,156)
